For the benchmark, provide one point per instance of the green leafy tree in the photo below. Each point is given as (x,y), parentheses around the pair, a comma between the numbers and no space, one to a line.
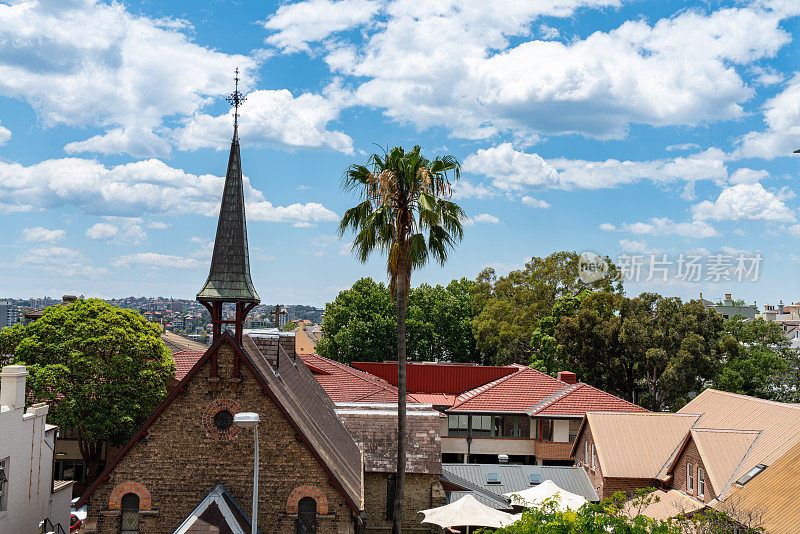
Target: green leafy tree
(102,370)
(650,349)
(512,305)
(405,213)
(756,360)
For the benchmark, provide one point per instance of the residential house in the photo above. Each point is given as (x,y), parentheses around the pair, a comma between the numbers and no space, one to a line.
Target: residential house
(28,494)
(706,455)
(514,411)
(306,337)
(729,308)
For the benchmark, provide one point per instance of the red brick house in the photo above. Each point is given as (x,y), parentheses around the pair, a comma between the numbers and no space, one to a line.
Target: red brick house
(190,469)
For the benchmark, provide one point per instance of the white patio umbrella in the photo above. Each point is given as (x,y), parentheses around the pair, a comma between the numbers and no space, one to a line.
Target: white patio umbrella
(467,512)
(547,490)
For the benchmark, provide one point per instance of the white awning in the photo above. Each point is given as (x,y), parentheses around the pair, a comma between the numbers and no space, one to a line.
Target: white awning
(467,511)
(547,490)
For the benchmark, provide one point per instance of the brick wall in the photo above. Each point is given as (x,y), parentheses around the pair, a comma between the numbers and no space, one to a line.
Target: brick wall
(178,461)
(422,491)
(549,450)
(690,455)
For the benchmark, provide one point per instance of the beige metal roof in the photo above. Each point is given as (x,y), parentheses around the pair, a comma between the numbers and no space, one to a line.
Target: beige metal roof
(636,445)
(670,503)
(771,496)
(778,422)
(722,451)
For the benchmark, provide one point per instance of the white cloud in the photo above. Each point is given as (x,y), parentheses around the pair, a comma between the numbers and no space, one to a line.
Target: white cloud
(534,202)
(634,247)
(745,201)
(274,118)
(43,235)
(514,170)
(133,189)
(5,135)
(683,146)
(102,231)
(450,63)
(660,226)
(464,189)
(86,63)
(158,225)
(481,218)
(748,176)
(156,261)
(782,117)
(296,25)
(59,261)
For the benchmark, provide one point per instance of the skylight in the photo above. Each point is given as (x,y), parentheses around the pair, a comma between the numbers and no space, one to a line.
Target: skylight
(492,478)
(535,479)
(750,474)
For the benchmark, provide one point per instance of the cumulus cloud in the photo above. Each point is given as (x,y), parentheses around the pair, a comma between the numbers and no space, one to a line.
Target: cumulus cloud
(512,170)
(296,25)
(485,218)
(5,135)
(137,70)
(59,261)
(661,226)
(156,261)
(133,189)
(745,201)
(782,135)
(102,231)
(274,118)
(477,70)
(534,202)
(43,235)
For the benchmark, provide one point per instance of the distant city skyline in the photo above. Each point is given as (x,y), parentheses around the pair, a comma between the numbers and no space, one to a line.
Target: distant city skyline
(613,126)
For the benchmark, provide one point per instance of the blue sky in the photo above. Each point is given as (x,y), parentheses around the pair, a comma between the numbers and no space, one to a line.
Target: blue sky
(636,129)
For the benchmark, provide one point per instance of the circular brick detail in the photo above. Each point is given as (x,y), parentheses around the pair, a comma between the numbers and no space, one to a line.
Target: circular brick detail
(307,491)
(212,410)
(115,500)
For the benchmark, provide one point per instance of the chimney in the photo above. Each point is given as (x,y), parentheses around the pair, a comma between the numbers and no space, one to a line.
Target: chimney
(568,376)
(12,387)
(728,300)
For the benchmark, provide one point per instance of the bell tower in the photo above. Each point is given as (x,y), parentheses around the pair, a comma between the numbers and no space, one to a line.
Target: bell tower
(229,277)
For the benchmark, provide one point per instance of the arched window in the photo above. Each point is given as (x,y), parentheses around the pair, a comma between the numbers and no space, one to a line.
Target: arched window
(130,514)
(307,516)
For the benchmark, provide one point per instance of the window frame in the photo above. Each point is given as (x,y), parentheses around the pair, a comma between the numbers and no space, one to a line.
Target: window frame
(594,457)
(4,463)
(701,482)
(493,481)
(124,510)
(689,478)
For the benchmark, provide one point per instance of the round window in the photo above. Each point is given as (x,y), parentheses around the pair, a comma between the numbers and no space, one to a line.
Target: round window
(223,419)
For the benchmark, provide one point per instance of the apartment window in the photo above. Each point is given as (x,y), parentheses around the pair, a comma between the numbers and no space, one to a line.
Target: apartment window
(593,456)
(71,470)
(701,483)
(482,425)
(4,485)
(458,424)
(690,478)
(587,453)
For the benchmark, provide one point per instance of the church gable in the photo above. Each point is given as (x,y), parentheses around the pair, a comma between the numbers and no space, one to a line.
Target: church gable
(192,445)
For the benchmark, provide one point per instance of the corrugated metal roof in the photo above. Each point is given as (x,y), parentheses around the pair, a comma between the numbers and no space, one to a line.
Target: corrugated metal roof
(449,378)
(722,451)
(779,423)
(515,478)
(483,498)
(773,494)
(636,445)
(667,504)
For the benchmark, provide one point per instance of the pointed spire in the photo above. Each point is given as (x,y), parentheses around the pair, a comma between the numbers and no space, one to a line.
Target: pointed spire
(229,277)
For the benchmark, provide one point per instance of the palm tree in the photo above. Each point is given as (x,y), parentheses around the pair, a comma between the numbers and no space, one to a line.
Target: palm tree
(404,213)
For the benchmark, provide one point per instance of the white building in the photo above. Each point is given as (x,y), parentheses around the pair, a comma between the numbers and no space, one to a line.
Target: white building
(28,495)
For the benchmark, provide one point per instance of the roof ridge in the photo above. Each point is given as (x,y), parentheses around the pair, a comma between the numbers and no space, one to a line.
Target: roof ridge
(376,380)
(754,399)
(604,412)
(474,392)
(725,430)
(556,397)
(615,396)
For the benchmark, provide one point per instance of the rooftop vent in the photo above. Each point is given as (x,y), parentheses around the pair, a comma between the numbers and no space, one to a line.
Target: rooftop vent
(502,458)
(567,376)
(534,479)
(492,478)
(747,477)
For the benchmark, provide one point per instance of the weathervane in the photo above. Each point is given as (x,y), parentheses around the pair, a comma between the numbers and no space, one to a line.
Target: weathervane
(236,99)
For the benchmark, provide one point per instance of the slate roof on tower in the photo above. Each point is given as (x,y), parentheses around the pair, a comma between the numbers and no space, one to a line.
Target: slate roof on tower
(229,277)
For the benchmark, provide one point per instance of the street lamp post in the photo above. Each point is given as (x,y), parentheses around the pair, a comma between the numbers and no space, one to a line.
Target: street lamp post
(250,420)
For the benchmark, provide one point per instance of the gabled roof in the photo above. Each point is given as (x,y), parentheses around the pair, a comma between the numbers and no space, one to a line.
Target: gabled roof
(343,383)
(722,451)
(177,343)
(666,504)
(229,276)
(778,422)
(534,393)
(635,445)
(302,401)
(217,513)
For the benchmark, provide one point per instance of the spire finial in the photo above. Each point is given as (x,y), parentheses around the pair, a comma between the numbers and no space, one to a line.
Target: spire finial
(236,99)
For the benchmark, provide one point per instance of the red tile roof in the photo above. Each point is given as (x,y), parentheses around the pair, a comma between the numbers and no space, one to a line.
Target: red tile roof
(437,399)
(534,393)
(185,360)
(343,383)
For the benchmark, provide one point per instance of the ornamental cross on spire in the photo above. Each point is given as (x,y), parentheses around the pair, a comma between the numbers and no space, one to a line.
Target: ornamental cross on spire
(236,99)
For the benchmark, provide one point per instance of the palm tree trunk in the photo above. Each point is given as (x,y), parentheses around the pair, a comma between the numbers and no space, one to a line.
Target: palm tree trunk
(402,304)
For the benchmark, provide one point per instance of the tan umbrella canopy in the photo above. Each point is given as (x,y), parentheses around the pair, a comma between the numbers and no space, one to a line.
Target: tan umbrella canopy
(467,511)
(547,490)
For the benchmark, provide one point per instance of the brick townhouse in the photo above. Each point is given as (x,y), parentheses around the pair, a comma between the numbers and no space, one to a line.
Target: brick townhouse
(708,455)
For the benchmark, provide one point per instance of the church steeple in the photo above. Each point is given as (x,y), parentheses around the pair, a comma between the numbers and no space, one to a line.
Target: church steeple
(229,277)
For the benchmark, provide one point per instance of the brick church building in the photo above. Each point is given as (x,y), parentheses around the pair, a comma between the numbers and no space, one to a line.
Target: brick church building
(190,469)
